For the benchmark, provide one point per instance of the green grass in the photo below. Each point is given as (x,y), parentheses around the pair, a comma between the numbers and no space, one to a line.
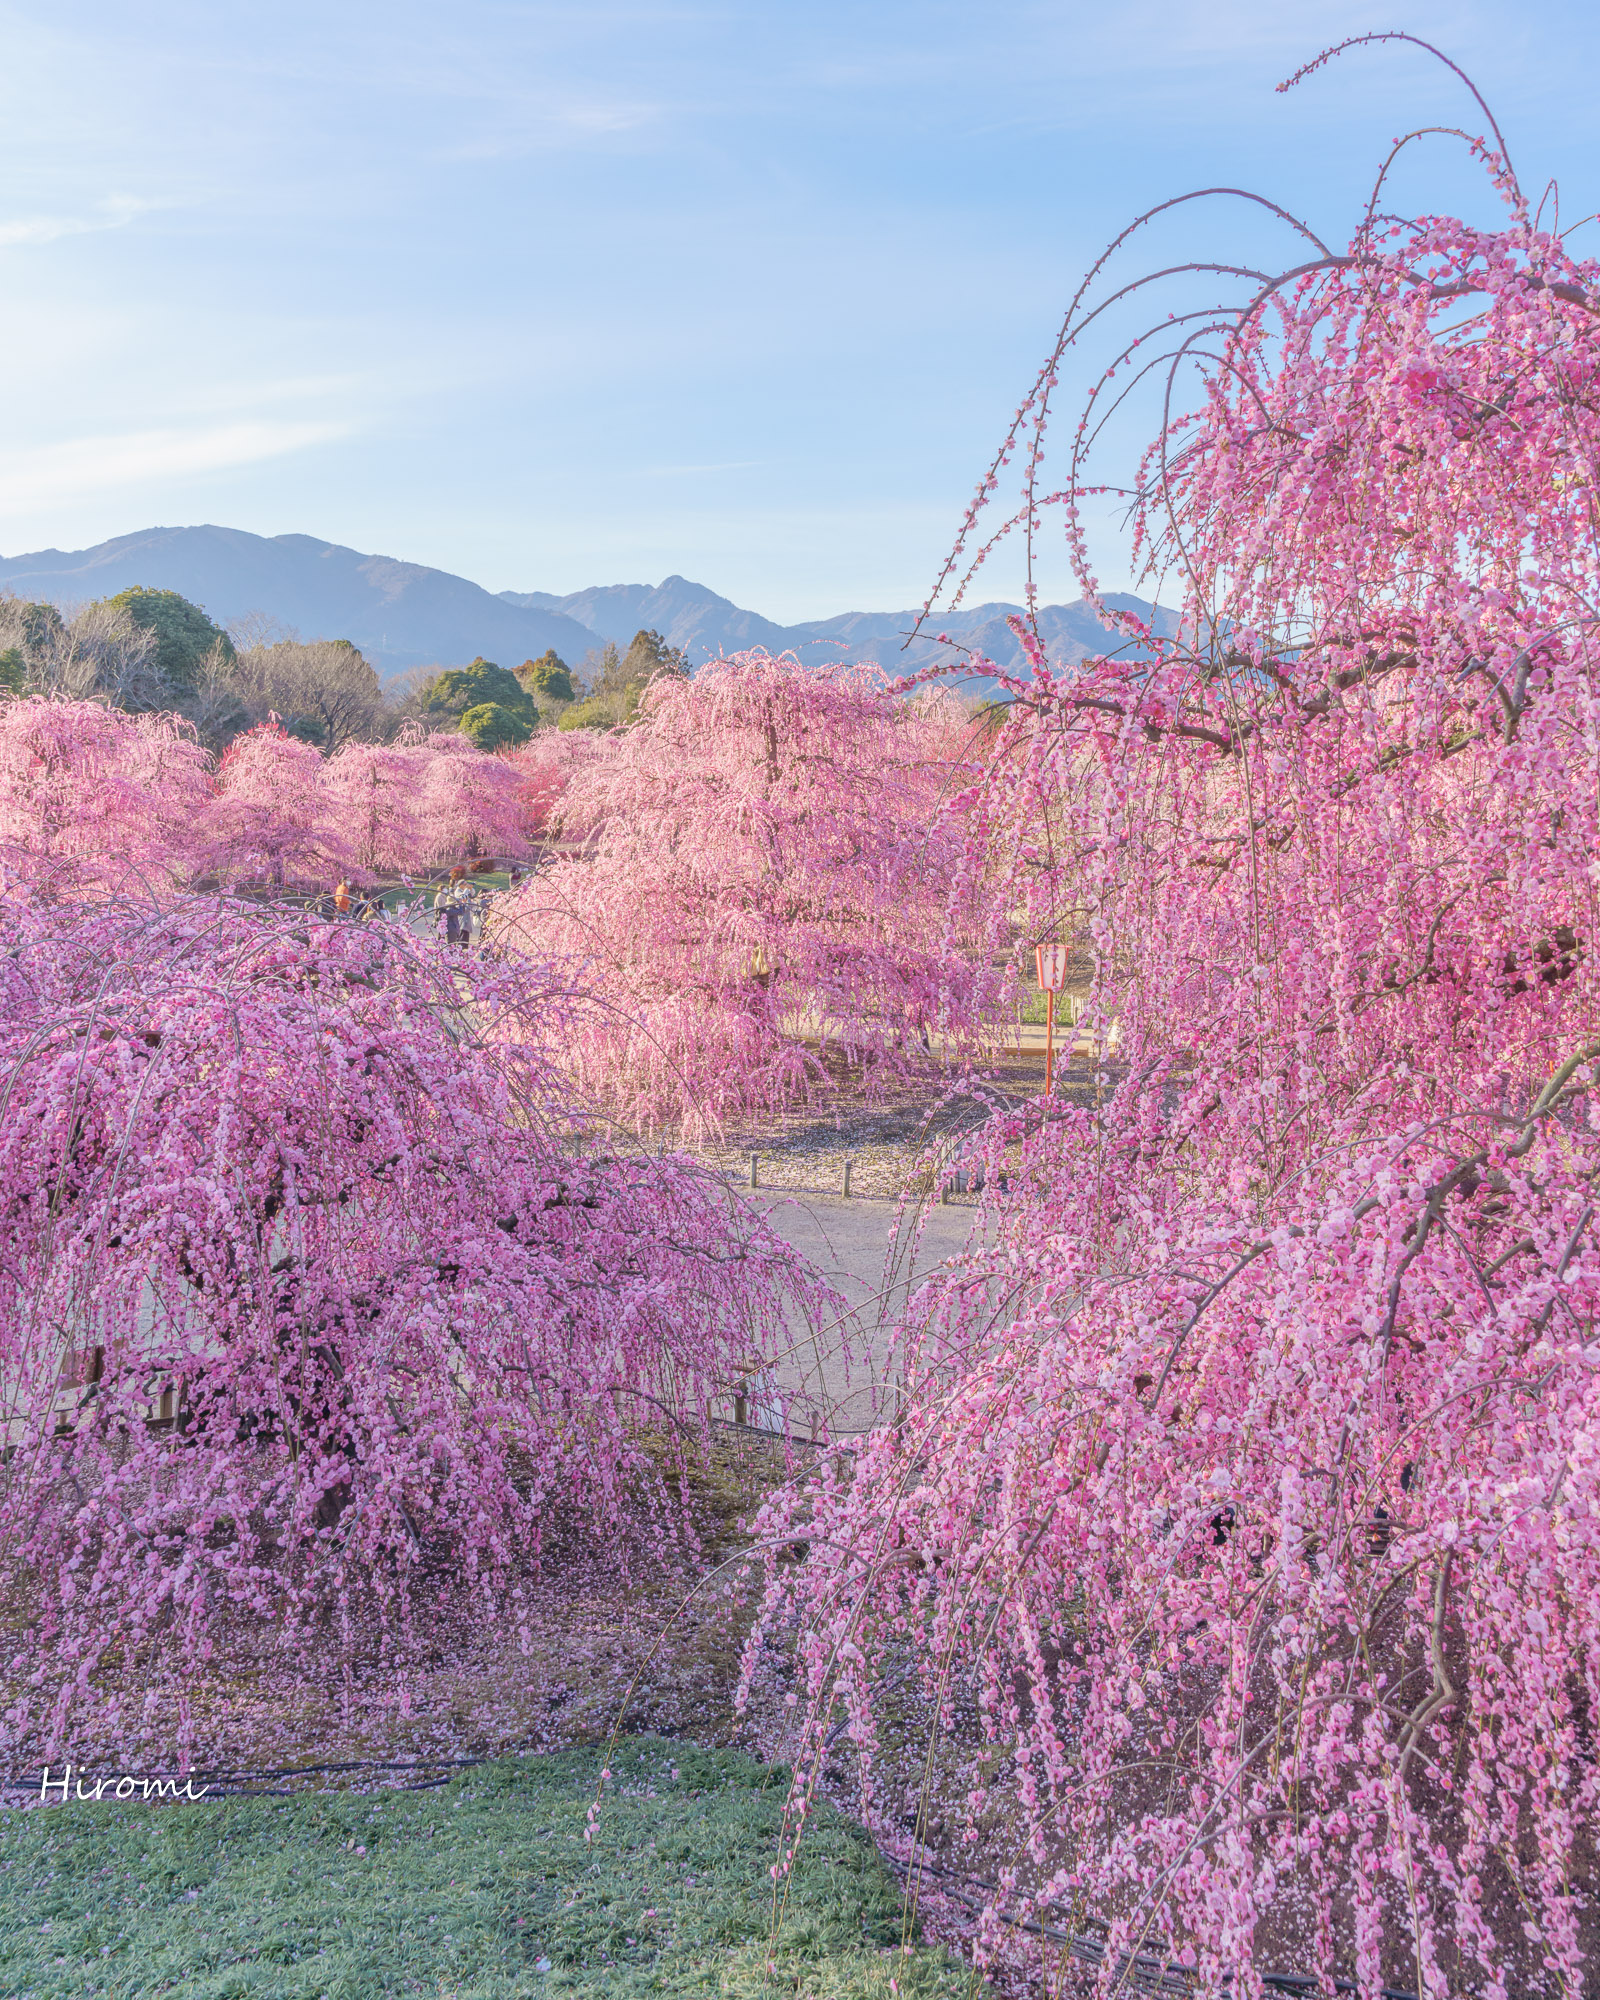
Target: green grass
(484,1890)
(1031,1004)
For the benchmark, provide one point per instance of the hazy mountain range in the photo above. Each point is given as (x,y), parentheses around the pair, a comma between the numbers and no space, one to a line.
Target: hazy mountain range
(406,615)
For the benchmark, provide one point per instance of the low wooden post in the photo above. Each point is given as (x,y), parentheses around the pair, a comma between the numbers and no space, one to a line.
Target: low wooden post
(1049,1040)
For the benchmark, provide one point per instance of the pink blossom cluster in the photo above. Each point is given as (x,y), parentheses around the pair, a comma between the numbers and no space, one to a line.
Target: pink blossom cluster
(1246,1497)
(317,1285)
(771,863)
(772,859)
(91,797)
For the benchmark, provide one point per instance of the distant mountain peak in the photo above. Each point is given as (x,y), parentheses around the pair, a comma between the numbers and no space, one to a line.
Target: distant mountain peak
(404,614)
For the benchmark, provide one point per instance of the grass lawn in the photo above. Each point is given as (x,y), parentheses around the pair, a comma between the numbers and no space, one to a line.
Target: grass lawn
(483,1890)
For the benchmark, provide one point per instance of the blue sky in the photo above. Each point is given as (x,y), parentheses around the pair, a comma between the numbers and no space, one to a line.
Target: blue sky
(563,294)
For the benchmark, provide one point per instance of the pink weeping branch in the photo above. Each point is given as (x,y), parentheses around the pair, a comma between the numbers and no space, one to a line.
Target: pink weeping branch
(1239,1530)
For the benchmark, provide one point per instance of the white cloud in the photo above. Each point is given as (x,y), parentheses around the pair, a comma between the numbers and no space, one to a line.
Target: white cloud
(115,212)
(78,468)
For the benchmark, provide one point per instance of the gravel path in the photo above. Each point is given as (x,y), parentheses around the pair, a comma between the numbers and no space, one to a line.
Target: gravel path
(875,1253)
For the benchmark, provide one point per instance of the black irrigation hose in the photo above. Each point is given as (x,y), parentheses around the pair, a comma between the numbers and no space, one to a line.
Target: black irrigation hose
(1143,1972)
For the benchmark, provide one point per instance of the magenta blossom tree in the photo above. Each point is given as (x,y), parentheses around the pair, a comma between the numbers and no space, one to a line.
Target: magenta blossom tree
(544,766)
(764,866)
(309,1293)
(1243,1501)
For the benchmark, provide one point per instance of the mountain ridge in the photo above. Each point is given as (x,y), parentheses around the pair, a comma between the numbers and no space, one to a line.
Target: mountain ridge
(400,614)
(691,616)
(404,615)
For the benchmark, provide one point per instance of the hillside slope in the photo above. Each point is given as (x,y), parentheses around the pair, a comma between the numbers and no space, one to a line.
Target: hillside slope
(401,614)
(703,624)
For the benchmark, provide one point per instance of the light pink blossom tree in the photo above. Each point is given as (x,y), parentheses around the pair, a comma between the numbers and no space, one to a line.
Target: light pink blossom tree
(765,867)
(91,797)
(374,792)
(471,804)
(271,818)
(1243,1501)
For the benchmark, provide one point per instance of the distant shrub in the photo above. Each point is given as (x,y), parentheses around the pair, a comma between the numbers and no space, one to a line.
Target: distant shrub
(598,712)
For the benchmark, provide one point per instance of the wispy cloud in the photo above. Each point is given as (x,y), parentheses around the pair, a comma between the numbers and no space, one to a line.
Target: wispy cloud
(724,465)
(115,212)
(546,128)
(78,468)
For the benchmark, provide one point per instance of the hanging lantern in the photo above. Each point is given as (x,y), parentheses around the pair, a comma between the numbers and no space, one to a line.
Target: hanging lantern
(1052,963)
(1051,960)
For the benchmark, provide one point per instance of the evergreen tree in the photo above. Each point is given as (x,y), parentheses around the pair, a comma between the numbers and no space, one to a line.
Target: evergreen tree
(184,635)
(491,727)
(547,678)
(616,681)
(451,696)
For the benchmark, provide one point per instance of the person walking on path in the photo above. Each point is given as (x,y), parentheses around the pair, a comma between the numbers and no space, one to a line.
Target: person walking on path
(457,900)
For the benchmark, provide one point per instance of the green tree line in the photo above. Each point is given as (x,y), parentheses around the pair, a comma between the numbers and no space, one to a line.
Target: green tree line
(146,649)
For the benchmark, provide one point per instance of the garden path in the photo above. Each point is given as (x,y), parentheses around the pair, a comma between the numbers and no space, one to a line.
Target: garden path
(875,1254)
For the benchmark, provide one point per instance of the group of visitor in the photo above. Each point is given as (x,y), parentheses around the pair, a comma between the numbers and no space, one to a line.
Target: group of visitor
(458,908)
(343,902)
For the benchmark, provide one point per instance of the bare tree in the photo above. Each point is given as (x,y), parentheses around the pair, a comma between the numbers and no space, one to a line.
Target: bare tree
(322,688)
(103,654)
(99,654)
(257,630)
(215,706)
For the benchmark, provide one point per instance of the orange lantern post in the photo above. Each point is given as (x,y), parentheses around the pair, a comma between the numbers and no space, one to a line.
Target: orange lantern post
(1052,964)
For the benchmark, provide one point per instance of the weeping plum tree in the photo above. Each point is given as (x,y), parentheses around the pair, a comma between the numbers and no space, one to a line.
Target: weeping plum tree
(470,805)
(91,797)
(1256,1530)
(544,768)
(375,790)
(306,1296)
(271,817)
(767,856)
